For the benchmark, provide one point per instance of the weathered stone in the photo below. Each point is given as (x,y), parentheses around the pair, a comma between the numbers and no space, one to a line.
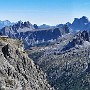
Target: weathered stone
(17,70)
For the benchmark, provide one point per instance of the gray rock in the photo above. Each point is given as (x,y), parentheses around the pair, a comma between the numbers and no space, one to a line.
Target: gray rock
(17,71)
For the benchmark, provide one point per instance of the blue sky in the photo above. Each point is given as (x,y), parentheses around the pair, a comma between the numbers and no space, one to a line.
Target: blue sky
(44,11)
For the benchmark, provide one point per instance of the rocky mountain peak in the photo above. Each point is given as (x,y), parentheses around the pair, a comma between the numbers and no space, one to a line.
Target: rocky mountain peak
(84,19)
(35,26)
(27,24)
(80,24)
(22,25)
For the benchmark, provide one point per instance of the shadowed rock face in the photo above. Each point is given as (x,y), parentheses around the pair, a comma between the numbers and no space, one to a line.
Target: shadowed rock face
(85,36)
(78,40)
(35,26)
(65,29)
(17,71)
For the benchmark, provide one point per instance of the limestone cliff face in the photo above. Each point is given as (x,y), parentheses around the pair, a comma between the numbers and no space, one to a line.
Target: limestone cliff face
(17,71)
(32,37)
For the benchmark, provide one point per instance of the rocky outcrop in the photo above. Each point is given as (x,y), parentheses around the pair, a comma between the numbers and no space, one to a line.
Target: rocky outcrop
(85,36)
(17,71)
(78,39)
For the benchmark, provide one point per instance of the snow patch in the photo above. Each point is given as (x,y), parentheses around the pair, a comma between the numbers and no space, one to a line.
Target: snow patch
(86,43)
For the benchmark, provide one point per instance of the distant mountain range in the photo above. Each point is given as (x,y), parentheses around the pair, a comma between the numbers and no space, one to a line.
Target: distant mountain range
(44,26)
(78,24)
(6,23)
(34,34)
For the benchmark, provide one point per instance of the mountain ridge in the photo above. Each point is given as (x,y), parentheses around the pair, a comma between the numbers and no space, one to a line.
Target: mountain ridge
(32,36)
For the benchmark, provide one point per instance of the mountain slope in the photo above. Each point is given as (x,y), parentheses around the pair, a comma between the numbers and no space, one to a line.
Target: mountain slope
(67,69)
(17,71)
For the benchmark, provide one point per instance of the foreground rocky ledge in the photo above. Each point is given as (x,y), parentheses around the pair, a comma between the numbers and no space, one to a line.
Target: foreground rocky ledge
(17,71)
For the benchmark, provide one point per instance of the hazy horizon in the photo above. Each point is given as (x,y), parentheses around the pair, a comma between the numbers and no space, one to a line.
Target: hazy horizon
(50,12)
